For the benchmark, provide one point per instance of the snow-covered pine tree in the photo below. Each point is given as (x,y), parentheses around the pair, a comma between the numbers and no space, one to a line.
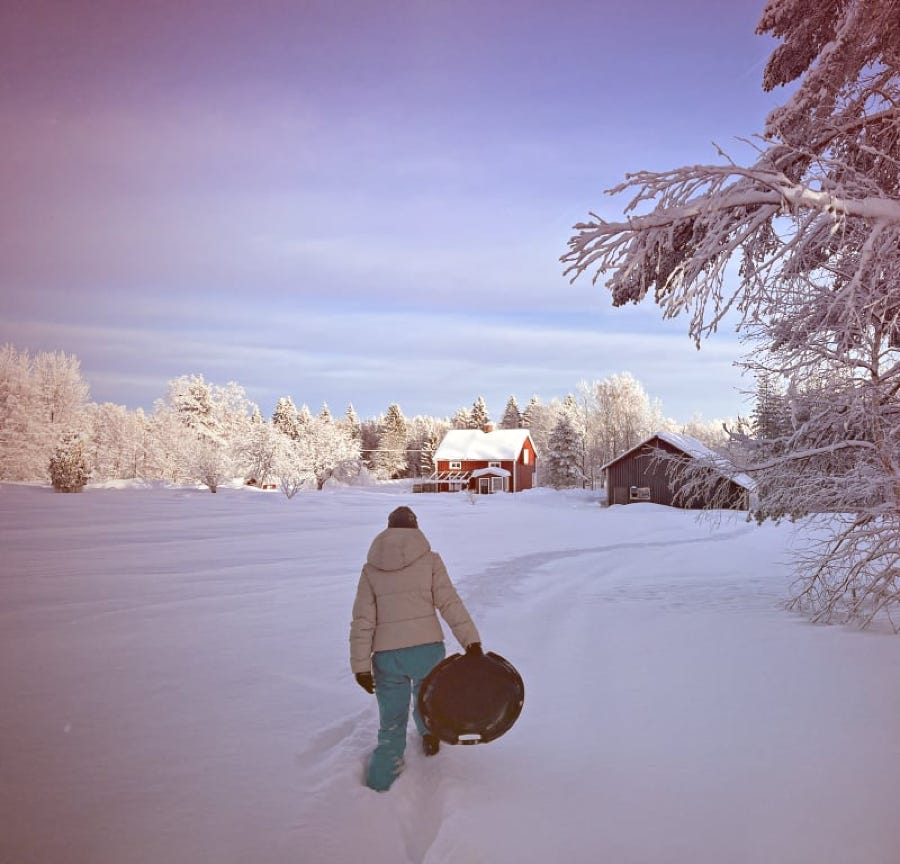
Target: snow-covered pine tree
(284,418)
(424,435)
(430,443)
(769,418)
(563,454)
(325,413)
(68,466)
(390,459)
(578,416)
(538,419)
(352,424)
(369,433)
(479,417)
(512,417)
(532,416)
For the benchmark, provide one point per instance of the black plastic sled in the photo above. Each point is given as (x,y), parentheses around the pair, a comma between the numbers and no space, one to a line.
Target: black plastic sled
(469,699)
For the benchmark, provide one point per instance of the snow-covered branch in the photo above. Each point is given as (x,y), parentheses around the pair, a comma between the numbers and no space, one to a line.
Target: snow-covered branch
(814,224)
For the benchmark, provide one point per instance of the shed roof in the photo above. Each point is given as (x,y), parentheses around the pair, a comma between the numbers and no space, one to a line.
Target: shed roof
(475,444)
(697,450)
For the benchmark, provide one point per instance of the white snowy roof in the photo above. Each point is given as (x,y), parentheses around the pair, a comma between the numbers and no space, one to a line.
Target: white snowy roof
(493,472)
(476,444)
(698,450)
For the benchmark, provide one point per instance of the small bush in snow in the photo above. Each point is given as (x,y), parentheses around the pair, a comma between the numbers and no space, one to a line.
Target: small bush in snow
(68,467)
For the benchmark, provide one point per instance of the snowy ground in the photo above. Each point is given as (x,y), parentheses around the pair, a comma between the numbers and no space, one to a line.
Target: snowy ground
(175,688)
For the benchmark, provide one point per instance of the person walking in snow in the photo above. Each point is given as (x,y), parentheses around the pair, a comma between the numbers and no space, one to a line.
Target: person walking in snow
(396,638)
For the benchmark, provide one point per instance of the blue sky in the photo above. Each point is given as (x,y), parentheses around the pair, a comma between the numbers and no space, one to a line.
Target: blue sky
(354,201)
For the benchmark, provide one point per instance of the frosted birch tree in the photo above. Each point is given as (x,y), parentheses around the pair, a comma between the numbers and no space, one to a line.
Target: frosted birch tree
(20,456)
(166,456)
(114,441)
(329,450)
(713,433)
(290,466)
(324,450)
(462,418)
(201,430)
(618,414)
(813,224)
(42,400)
(260,452)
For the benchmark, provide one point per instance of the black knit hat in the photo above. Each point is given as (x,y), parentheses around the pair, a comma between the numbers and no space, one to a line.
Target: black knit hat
(403,517)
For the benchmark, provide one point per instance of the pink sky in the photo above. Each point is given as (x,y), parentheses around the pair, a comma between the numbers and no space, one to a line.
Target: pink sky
(353,202)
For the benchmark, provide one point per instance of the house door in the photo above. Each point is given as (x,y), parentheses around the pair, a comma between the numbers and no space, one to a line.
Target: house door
(488,485)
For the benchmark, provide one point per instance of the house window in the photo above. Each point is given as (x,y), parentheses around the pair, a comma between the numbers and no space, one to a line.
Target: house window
(494,465)
(639,493)
(526,455)
(456,466)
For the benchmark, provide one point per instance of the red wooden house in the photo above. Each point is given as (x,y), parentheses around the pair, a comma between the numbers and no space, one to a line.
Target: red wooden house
(497,460)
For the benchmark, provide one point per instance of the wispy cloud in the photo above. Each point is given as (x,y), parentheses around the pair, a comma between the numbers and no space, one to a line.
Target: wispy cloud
(351,202)
(430,363)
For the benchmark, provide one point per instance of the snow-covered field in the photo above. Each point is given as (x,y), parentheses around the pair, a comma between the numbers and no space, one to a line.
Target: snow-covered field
(175,688)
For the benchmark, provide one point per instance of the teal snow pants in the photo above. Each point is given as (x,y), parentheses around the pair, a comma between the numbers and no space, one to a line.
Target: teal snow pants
(398,676)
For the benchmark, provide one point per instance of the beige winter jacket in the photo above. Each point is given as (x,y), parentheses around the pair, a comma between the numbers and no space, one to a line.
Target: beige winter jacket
(401,585)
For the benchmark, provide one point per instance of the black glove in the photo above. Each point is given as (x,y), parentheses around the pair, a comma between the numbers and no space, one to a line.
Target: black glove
(473,649)
(366,681)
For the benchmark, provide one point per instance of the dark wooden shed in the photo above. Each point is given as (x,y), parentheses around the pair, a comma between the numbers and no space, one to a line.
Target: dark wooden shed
(644,474)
